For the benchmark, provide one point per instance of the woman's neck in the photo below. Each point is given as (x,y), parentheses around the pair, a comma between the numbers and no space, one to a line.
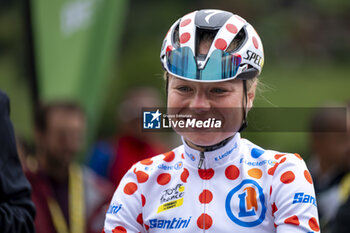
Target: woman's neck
(209,148)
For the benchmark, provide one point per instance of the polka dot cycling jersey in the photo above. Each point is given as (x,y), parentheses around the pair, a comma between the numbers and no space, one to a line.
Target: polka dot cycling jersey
(240,187)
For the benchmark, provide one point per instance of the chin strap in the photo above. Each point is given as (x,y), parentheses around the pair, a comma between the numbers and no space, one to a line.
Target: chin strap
(245,112)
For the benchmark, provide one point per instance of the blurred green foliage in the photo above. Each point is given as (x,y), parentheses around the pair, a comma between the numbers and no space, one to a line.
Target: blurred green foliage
(306,47)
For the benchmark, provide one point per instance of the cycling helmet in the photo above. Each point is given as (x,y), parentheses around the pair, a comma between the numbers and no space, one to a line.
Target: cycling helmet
(235,51)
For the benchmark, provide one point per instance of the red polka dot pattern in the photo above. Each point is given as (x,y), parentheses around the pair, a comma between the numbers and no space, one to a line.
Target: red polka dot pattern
(185,22)
(205,197)
(255,42)
(220,44)
(204,221)
(163,178)
(292,220)
(287,177)
(103,231)
(272,170)
(283,160)
(206,174)
(169,156)
(278,156)
(232,172)
(119,229)
(141,176)
(169,48)
(143,200)
(184,175)
(146,162)
(185,37)
(147,227)
(270,190)
(308,176)
(134,170)
(274,224)
(139,219)
(274,208)
(231,28)
(298,156)
(130,188)
(313,224)
(182,156)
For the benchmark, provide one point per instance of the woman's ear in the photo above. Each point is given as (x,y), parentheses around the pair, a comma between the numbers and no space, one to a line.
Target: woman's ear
(251,95)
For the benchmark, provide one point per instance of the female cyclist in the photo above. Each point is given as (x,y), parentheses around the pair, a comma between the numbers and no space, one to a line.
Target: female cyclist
(216,181)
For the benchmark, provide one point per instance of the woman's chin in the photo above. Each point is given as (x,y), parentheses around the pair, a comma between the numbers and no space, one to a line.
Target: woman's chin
(205,139)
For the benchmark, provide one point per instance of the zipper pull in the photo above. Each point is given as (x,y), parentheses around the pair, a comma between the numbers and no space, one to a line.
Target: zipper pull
(201,160)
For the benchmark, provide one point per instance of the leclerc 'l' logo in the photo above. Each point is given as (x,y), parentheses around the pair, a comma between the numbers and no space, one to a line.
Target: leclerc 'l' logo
(245,204)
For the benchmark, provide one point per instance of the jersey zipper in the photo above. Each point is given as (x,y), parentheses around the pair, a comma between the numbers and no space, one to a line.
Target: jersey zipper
(200,165)
(201,160)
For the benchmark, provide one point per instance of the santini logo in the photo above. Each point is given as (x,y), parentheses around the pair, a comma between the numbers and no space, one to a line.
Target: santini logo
(114,208)
(169,224)
(304,198)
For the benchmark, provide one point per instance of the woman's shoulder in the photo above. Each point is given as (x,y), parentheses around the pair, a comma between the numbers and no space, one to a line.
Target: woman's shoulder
(166,161)
(258,152)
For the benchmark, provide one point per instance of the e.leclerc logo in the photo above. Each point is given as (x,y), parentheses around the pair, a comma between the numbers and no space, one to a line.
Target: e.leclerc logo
(245,204)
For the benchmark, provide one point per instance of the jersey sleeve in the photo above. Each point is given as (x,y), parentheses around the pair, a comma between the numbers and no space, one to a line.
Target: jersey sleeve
(293,197)
(125,211)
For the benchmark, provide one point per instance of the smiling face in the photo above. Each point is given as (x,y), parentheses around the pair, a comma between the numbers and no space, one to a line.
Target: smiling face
(219,100)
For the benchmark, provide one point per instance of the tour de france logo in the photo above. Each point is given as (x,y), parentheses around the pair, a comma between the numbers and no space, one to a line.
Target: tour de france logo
(245,204)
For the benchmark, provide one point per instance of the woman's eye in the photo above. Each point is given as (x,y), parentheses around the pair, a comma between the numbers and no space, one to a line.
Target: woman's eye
(184,89)
(218,90)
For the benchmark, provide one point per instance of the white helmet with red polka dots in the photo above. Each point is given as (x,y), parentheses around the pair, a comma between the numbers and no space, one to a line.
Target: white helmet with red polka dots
(235,51)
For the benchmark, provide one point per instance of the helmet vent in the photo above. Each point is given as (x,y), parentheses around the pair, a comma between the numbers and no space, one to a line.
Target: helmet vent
(176,37)
(204,37)
(238,41)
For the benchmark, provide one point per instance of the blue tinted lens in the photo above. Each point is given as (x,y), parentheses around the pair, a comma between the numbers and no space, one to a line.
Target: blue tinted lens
(213,68)
(181,62)
(230,65)
(221,65)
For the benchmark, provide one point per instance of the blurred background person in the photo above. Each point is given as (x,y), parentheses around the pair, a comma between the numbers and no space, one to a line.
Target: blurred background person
(329,151)
(16,208)
(68,197)
(130,144)
(341,222)
(26,154)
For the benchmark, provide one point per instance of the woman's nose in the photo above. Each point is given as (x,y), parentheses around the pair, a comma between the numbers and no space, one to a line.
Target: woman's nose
(200,101)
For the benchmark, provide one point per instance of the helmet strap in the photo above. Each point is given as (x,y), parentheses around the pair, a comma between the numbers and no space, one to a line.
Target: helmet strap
(245,103)
(166,87)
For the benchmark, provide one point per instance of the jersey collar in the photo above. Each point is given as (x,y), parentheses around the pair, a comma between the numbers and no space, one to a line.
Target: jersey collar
(213,158)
